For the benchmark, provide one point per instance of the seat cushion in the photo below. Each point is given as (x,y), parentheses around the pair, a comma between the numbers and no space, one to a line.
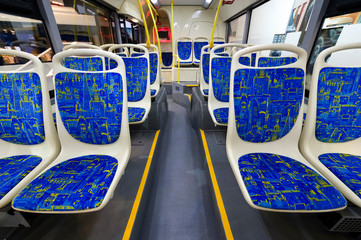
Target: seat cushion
(205,91)
(135,114)
(14,169)
(221,115)
(76,184)
(346,167)
(279,182)
(153,92)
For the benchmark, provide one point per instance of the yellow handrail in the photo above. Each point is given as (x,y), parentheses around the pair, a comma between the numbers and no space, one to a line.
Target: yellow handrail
(178,59)
(145,23)
(156,30)
(211,43)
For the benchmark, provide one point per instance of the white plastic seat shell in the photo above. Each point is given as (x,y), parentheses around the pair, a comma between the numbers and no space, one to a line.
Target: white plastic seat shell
(312,148)
(286,146)
(49,148)
(73,148)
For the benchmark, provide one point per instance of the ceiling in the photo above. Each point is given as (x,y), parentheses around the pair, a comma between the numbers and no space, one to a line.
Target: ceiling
(182,2)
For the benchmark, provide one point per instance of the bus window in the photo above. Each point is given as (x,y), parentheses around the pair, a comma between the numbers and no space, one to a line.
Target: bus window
(23,34)
(81,21)
(237,29)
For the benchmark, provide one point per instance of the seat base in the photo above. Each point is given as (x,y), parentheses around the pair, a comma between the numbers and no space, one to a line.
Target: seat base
(221,115)
(76,184)
(135,114)
(281,183)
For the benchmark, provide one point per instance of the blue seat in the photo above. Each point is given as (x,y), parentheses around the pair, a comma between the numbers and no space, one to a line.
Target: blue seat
(185,50)
(93,128)
(331,136)
(198,44)
(220,72)
(265,121)
(138,83)
(28,138)
(167,58)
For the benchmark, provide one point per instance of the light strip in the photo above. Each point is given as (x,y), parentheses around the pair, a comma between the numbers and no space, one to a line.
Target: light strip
(207,3)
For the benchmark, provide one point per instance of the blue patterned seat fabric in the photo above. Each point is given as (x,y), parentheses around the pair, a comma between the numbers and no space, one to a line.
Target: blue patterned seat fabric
(275,61)
(90,105)
(14,169)
(221,74)
(245,61)
(205,67)
(205,91)
(21,113)
(167,59)
(84,63)
(279,182)
(221,115)
(137,74)
(153,92)
(153,61)
(197,48)
(76,184)
(346,167)
(184,51)
(267,102)
(338,105)
(221,49)
(136,114)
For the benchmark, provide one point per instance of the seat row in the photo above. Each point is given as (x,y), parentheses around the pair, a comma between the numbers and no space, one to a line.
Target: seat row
(75,168)
(278,165)
(189,51)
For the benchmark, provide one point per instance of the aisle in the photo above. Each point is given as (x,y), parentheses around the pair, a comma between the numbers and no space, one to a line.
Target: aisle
(180,205)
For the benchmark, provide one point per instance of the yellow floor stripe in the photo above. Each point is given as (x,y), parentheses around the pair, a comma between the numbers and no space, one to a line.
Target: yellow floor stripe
(192,85)
(189,96)
(222,210)
(128,229)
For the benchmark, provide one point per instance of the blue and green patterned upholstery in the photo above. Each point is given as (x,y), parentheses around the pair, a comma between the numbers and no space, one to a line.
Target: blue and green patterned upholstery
(267,102)
(221,115)
(221,74)
(153,62)
(153,92)
(184,51)
(205,67)
(167,59)
(338,105)
(205,91)
(221,49)
(90,105)
(14,169)
(21,113)
(346,167)
(84,63)
(245,61)
(197,48)
(279,182)
(137,75)
(253,59)
(135,114)
(76,184)
(275,61)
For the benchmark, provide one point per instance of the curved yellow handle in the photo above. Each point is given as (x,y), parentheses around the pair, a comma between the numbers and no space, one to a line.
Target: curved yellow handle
(145,23)
(211,43)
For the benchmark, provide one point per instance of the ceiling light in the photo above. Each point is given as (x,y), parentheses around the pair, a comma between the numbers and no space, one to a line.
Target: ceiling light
(207,3)
(57,2)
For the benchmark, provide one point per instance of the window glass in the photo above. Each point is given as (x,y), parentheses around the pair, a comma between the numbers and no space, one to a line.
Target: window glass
(237,29)
(23,34)
(339,30)
(269,19)
(81,21)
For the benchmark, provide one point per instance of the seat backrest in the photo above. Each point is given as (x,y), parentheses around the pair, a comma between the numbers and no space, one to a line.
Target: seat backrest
(26,124)
(198,44)
(91,107)
(138,77)
(266,103)
(219,79)
(81,62)
(333,118)
(154,62)
(184,50)
(167,58)
(218,41)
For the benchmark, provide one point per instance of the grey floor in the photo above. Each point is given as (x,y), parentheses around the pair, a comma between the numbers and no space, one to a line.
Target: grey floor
(180,205)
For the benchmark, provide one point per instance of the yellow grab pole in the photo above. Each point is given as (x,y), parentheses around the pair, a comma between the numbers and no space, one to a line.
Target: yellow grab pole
(171,2)
(211,44)
(156,30)
(145,23)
